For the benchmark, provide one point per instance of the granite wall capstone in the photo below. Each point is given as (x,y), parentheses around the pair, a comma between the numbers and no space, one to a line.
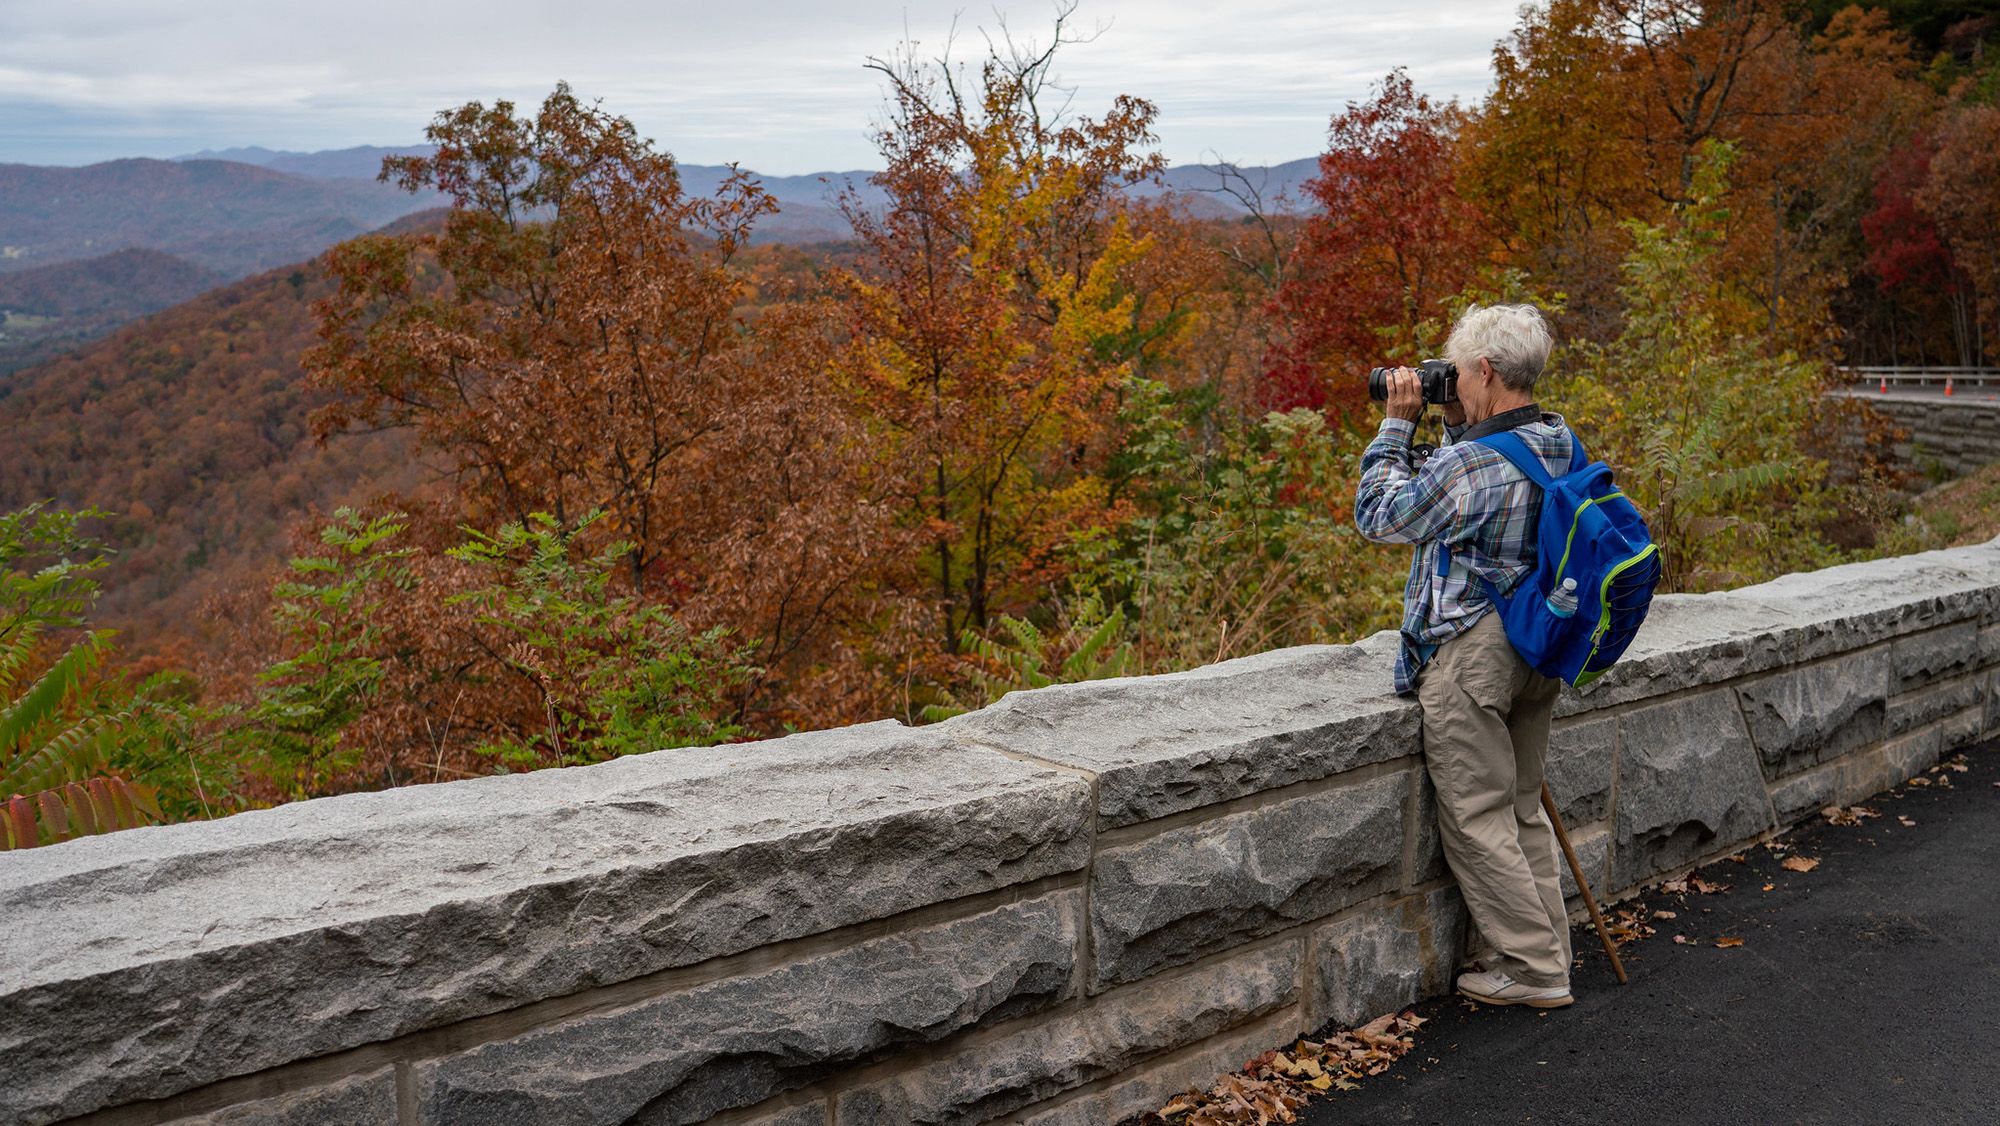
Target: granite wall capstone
(1058,910)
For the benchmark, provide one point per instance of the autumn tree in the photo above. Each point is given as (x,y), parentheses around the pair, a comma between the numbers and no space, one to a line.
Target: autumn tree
(1910,261)
(1705,423)
(573,340)
(1600,110)
(1822,113)
(1391,238)
(1548,161)
(1961,195)
(991,320)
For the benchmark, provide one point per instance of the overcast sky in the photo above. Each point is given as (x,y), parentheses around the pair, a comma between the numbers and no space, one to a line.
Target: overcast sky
(777,85)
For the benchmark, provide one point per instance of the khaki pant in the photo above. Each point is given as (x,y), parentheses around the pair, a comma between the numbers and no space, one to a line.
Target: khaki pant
(1486,727)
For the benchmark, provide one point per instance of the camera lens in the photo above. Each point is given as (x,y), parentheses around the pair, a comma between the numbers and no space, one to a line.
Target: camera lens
(1378,384)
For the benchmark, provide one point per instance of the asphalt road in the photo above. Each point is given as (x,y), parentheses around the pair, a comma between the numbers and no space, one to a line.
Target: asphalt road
(1966,394)
(1865,991)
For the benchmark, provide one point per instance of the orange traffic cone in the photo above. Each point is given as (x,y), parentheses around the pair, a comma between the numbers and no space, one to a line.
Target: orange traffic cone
(1885,385)
(1947,386)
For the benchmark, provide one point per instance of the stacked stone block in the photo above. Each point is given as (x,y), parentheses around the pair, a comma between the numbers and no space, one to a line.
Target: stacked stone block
(1057,910)
(1952,436)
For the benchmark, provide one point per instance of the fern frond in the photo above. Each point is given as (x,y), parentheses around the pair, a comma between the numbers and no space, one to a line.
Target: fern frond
(47,697)
(15,652)
(936,713)
(1084,665)
(71,754)
(1734,482)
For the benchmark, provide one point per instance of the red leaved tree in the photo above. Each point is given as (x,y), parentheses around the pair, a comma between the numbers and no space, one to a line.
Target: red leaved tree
(1906,252)
(1392,238)
(1960,196)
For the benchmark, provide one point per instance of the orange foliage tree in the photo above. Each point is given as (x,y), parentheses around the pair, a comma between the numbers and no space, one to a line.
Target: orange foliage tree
(992,319)
(1600,112)
(574,340)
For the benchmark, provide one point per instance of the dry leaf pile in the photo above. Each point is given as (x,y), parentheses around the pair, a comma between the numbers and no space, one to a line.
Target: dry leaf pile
(1629,924)
(1851,815)
(1272,1087)
(1695,884)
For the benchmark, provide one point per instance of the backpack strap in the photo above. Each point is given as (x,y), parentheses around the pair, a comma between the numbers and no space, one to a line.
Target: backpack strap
(1510,446)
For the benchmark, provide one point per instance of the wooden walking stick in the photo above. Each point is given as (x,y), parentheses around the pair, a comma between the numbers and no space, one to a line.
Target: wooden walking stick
(1583,885)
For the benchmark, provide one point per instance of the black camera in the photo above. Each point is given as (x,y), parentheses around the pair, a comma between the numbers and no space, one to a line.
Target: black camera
(1439,379)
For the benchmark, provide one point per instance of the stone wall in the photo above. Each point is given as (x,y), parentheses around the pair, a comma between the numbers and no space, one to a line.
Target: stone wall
(1058,910)
(1949,437)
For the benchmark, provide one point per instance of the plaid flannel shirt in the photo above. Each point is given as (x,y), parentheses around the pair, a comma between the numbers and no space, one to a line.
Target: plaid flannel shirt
(1467,496)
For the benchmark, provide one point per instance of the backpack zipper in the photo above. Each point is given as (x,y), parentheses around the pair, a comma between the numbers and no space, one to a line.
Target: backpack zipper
(1575,519)
(1604,613)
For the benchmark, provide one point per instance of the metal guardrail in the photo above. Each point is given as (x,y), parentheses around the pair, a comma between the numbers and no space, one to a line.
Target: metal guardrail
(1919,379)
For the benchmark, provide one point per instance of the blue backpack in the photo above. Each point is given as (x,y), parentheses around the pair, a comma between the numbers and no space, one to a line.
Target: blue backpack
(1587,531)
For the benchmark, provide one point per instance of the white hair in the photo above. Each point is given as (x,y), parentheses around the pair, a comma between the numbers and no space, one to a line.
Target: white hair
(1515,339)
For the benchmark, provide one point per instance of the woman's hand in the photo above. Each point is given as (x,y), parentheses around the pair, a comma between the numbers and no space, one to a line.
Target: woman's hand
(1406,395)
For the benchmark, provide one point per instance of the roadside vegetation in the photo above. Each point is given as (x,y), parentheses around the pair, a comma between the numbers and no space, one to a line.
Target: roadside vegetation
(578,468)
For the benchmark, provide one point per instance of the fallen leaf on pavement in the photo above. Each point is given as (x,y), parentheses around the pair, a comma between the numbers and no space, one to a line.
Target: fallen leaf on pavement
(1919,780)
(1628,924)
(1852,815)
(1272,1087)
(1706,888)
(1727,942)
(1665,915)
(1768,887)
(1683,940)
(1907,823)
(1799,864)
(1680,886)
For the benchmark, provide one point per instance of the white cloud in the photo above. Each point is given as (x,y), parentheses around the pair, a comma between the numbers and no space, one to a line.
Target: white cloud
(778,85)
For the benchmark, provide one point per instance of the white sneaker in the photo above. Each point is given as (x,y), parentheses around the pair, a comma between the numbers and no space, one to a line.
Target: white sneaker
(1496,988)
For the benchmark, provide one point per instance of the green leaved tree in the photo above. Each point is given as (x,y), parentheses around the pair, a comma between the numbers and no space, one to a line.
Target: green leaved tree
(1704,418)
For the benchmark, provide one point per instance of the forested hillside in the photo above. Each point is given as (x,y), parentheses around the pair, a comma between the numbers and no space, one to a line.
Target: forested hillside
(190,426)
(51,309)
(1034,420)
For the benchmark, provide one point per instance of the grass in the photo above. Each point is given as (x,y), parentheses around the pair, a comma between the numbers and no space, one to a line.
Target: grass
(21,322)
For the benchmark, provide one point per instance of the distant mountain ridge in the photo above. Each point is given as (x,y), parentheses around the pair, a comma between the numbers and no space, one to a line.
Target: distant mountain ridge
(362,162)
(232,212)
(809,210)
(135,281)
(229,217)
(191,425)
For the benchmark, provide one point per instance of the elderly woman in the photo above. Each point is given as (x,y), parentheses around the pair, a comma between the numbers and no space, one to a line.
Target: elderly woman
(1471,515)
